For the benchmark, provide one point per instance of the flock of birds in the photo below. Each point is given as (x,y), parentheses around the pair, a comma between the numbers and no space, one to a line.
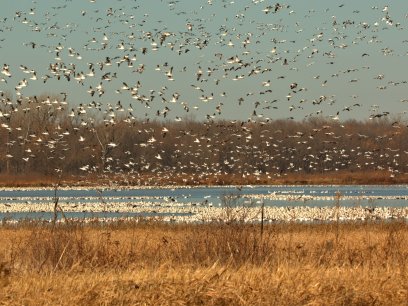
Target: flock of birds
(251,61)
(192,213)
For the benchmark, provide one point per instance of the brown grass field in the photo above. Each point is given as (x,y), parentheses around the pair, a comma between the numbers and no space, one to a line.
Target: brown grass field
(147,263)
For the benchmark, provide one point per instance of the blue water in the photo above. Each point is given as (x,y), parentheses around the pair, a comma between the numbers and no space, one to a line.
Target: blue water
(203,196)
(200,192)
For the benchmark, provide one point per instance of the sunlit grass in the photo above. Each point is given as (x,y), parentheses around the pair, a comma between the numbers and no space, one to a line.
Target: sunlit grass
(217,264)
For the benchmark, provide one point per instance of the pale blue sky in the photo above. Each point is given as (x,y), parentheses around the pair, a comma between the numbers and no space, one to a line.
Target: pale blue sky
(302,32)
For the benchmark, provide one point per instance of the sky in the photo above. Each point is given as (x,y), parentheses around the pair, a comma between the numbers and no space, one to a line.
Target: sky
(337,59)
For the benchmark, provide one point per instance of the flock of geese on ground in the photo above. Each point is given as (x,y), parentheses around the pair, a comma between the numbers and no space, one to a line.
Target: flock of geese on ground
(191,212)
(252,61)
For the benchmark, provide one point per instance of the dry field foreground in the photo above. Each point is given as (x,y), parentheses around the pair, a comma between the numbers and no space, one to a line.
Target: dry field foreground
(212,264)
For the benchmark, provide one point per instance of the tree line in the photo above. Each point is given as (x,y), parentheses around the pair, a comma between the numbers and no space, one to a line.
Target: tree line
(44,136)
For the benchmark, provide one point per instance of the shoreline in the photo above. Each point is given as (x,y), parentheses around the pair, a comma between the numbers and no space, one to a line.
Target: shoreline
(192,181)
(169,187)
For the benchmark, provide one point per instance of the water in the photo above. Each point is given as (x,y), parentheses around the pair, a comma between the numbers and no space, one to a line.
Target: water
(352,195)
(213,194)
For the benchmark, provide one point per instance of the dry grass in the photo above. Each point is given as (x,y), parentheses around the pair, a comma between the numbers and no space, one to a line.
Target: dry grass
(213,264)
